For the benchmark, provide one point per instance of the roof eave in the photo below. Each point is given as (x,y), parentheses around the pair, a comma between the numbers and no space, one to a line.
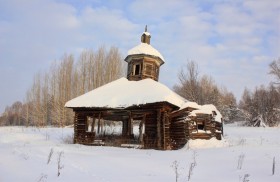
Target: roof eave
(174,107)
(161,62)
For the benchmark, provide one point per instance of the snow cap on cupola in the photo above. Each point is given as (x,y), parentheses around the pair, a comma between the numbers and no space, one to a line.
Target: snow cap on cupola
(144,60)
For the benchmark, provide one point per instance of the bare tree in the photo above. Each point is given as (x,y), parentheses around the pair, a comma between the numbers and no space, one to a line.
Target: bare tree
(63,93)
(114,65)
(209,92)
(188,82)
(275,70)
(204,90)
(262,103)
(66,79)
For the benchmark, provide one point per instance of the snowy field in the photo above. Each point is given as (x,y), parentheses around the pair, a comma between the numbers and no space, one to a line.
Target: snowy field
(245,154)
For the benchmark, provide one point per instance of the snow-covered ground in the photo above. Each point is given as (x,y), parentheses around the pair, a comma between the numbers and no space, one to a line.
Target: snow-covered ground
(245,154)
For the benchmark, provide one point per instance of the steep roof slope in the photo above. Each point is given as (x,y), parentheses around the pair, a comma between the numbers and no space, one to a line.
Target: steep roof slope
(123,93)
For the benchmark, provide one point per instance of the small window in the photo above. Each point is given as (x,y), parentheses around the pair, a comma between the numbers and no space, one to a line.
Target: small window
(137,69)
(200,126)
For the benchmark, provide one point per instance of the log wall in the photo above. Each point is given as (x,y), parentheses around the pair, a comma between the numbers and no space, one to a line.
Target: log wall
(162,130)
(154,117)
(178,132)
(183,128)
(150,135)
(80,128)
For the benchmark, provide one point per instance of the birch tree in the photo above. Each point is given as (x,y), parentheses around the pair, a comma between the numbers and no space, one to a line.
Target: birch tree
(66,79)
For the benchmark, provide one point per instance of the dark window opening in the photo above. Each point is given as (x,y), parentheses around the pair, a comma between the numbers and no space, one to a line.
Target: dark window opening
(137,69)
(200,126)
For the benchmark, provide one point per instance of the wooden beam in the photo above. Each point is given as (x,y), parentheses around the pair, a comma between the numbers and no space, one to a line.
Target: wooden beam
(159,129)
(124,127)
(75,127)
(163,124)
(98,124)
(130,125)
(141,136)
(102,125)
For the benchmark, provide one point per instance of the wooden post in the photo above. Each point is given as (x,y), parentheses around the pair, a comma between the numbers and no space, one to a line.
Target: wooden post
(86,123)
(163,131)
(130,125)
(75,127)
(167,130)
(102,125)
(159,129)
(98,124)
(141,129)
(124,127)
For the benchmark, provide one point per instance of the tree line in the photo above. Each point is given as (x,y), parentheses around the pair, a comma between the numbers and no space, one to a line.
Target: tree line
(69,78)
(66,79)
(261,104)
(204,90)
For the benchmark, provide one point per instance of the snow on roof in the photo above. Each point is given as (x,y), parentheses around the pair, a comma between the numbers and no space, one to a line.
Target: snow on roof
(190,105)
(144,48)
(208,109)
(147,33)
(123,93)
(201,111)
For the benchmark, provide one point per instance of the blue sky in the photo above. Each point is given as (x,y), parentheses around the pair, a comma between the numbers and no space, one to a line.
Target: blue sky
(232,40)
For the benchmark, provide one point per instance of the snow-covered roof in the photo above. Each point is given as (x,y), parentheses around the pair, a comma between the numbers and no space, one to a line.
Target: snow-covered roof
(146,49)
(123,93)
(147,33)
(207,109)
(201,111)
(193,105)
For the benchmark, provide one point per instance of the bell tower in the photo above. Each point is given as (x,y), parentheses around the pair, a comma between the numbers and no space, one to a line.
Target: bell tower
(144,61)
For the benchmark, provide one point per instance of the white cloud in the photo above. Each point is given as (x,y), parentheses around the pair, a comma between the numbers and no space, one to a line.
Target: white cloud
(158,11)
(234,41)
(33,33)
(106,25)
(242,44)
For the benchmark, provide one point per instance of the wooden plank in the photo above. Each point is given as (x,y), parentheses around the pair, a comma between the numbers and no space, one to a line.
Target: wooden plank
(164,131)
(159,129)
(130,126)
(98,124)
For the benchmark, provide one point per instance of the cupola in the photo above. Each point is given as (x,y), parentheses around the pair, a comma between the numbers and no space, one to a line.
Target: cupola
(146,37)
(144,61)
